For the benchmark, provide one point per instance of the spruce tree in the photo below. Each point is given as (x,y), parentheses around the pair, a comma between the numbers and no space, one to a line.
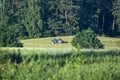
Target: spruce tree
(116,17)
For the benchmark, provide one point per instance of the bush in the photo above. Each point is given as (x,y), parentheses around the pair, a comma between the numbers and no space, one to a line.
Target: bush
(86,39)
(9,40)
(4,56)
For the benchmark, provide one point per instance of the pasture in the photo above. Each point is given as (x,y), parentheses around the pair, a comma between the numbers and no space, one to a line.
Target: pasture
(46,42)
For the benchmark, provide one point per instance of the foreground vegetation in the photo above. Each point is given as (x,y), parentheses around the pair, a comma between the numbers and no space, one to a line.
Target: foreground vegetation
(42,60)
(74,65)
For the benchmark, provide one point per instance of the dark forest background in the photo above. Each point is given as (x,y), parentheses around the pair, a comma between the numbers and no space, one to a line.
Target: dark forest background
(42,18)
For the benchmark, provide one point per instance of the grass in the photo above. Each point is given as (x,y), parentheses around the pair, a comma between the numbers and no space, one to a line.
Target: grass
(90,65)
(47,51)
(55,60)
(46,42)
(109,42)
(44,45)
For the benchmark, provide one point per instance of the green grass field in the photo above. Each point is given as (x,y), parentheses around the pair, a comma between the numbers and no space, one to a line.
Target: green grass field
(46,42)
(39,59)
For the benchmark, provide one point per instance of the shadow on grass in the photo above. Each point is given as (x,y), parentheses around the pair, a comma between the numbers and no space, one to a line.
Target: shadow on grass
(102,52)
(17,57)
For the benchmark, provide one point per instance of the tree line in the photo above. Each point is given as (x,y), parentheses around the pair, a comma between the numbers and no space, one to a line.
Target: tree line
(42,18)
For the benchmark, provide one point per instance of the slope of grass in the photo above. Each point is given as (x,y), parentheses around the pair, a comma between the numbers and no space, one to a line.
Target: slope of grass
(110,42)
(46,42)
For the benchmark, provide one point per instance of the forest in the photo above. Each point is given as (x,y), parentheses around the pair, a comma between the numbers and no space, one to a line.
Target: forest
(20,19)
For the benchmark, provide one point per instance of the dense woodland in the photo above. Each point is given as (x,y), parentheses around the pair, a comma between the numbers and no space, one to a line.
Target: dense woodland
(41,18)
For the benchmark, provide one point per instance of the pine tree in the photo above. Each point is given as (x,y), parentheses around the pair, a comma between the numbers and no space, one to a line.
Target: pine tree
(7,21)
(88,14)
(116,17)
(33,21)
(62,18)
(105,17)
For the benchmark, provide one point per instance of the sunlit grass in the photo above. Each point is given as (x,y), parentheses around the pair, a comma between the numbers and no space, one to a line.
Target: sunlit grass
(46,42)
(110,42)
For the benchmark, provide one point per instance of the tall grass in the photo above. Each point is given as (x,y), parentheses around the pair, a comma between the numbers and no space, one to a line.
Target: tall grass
(73,65)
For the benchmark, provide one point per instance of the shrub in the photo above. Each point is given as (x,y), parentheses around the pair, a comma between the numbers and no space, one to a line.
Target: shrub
(86,39)
(9,40)
(4,56)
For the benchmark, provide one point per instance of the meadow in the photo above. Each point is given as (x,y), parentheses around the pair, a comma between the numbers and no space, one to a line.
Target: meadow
(39,59)
(46,42)
(108,42)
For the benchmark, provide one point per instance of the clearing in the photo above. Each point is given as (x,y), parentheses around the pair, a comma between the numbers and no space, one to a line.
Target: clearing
(109,42)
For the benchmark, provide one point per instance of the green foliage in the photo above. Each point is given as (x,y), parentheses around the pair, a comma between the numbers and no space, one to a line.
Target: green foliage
(90,65)
(116,15)
(9,40)
(4,56)
(41,18)
(86,39)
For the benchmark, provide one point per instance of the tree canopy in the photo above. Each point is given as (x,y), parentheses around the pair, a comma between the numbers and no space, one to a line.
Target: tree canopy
(42,18)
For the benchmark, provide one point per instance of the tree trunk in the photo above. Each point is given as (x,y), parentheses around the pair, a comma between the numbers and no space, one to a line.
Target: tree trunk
(113,23)
(71,3)
(103,22)
(66,19)
(3,7)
